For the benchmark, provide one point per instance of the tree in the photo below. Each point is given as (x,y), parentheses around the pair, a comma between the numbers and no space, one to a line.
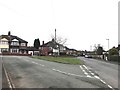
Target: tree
(59,39)
(37,43)
(99,50)
(113,51)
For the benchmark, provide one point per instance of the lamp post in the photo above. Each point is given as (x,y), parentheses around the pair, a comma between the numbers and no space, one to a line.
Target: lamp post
(108,49)
(108,43)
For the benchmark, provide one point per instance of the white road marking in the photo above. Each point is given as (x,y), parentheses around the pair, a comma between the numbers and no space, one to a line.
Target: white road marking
(38,63)
(26,60)
(10,84)
(102,81)
(88,70)
(70,73)
(85,67)
(97,77)
(41,65)
(35,63)
(59,71)
(92,73)
(109,86)
(85,72)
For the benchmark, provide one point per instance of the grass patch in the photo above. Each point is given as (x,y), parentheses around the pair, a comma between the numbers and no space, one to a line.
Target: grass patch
(65,60)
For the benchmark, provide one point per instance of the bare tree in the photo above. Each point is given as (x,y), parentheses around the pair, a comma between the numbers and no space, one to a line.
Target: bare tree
(59,39)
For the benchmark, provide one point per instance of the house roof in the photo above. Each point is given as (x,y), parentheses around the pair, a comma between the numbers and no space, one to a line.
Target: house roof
(70,49)
(32,49)
(11,37)
(51,44)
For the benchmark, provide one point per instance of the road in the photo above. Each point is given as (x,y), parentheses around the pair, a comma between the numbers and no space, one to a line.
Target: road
(106,70)
(27,72)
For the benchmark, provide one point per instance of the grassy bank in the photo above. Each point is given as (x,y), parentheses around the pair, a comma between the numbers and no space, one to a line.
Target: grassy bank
(65,60)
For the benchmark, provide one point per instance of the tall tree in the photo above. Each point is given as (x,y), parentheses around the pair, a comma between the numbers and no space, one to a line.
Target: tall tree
(100,50)
(37,43)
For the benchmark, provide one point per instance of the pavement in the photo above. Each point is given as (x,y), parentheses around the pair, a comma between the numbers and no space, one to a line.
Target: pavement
(27,72)
(0,73)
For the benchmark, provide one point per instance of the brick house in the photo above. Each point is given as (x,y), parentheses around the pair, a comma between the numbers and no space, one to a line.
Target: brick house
(51,47)
(71,51)
(12,44)
(33,51)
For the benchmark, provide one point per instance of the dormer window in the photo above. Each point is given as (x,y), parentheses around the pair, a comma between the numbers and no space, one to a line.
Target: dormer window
(14,43)
(23,44)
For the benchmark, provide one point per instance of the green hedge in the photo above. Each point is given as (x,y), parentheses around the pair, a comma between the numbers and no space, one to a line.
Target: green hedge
(114,58)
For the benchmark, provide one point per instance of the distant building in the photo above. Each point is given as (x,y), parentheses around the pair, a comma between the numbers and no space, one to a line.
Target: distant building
(51,48)
(71,51)
(33,51)
(12,44)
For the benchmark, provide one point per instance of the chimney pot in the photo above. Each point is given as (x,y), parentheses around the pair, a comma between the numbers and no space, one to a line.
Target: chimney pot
(9,33)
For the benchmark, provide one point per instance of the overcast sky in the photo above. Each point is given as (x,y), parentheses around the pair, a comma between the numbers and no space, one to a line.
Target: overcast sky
(83,22)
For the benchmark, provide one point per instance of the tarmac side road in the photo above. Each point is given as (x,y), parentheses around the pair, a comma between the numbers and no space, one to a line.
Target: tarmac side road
(27,72)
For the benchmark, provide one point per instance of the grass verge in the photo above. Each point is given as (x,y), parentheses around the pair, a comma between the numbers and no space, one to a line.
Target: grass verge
(65,60)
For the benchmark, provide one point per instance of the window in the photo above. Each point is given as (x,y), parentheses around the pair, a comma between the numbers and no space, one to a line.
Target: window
(14,50)
(3,42)
(15,43)
(23,44)
(4,49)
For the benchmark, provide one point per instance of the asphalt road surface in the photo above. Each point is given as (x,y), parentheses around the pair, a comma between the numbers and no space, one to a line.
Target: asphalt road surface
(27,72)
(108,71)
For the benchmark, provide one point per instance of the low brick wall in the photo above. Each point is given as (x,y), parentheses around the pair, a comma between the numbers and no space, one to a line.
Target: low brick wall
(15,54)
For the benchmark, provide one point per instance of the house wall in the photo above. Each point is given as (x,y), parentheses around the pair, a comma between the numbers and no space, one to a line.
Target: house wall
(45,50)
(4,46)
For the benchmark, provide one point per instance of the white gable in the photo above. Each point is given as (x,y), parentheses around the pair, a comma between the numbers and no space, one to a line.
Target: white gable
(14,40)
(4,39)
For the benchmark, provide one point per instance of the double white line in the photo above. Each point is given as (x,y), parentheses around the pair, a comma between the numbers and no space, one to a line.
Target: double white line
(95,76)
(84,71)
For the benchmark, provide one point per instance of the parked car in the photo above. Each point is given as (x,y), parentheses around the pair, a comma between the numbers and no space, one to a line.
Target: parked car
(88,56)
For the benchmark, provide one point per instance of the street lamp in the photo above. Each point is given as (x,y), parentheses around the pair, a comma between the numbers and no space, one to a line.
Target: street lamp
(108,49)
(108,43)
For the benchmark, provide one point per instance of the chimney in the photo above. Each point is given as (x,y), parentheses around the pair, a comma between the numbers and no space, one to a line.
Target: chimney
(42,42)
(9,33)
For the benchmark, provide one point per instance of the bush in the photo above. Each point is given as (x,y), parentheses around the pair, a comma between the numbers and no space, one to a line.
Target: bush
(114,58)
